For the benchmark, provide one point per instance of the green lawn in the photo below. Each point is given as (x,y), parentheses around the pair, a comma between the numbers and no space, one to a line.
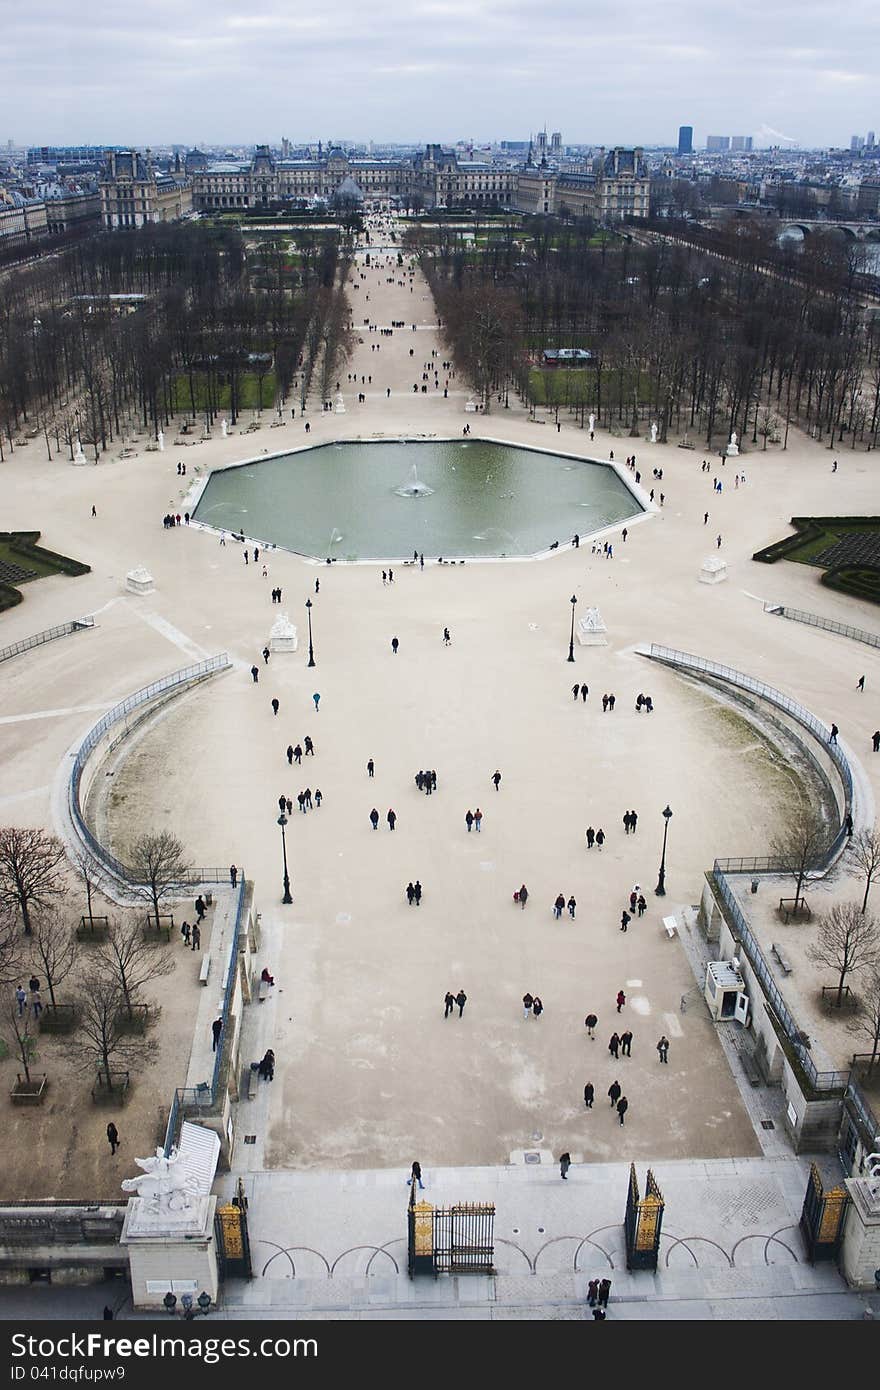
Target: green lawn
(248,392)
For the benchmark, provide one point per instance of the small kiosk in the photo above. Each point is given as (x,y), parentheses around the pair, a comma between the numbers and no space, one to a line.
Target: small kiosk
(725,992)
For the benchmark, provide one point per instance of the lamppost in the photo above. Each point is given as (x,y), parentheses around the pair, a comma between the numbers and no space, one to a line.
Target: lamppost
(282,821)
(311,648)
(571,641)
(660,890)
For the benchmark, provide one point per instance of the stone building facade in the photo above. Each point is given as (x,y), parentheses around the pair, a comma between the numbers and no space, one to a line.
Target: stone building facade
(134,194)
(618,184)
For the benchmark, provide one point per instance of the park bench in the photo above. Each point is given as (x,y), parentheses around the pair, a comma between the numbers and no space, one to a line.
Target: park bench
(249,1082)
(669,927)
(750,1067)
(205,970)
(780,956)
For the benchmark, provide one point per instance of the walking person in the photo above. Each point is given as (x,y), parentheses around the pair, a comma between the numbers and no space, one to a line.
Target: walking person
(417,888)
(860,684)
(626,1040)
(478,820)
(410,893)
(297,755)
(604,1292)
(374,818)
(496,778)
(590,1024)
(537,1007)
(394,645)
(641,904)
(832,737)
(527,1002)
(266,656)
(20,999)
(564,1164)
(371,768)
(614,1093)
(112,1137)
(576,689)
(625,920)
(317,699)
(255,672)
(593,1293)
(559,906)
(309,746)
(290,754)
(391,818)
(522,896)
(622,1107)
(233,875)
(449,1002)
(196,934)
(663,1049)
(621,1000)
(275,706)
(216,1030)
(461,1000)
(588,1096)
(200,908)
(600,840)
(571,907)
(415,1176)
(613,1045)
(591,836)
(469,820)
(185,930)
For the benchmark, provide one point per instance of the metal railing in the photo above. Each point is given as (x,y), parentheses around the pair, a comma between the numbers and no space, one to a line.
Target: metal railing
(49,635)
(797,615)
(686,661)
(198,1097)
(818,1080)
(187,676)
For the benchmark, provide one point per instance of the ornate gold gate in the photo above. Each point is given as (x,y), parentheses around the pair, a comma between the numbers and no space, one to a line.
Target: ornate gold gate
(644,1218)
(822,1218)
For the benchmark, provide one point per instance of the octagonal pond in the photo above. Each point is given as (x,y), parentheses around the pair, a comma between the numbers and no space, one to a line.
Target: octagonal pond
(382,501)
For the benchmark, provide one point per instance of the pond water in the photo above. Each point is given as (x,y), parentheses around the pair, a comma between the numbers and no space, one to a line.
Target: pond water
(382,501)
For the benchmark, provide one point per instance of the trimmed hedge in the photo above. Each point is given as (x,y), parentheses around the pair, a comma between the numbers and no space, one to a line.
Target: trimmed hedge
(24,543)
(811,528)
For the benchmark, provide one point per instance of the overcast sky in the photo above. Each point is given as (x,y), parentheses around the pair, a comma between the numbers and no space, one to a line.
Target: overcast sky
(602,71)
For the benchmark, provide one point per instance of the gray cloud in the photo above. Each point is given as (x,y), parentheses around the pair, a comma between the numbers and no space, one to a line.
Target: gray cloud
(598,70)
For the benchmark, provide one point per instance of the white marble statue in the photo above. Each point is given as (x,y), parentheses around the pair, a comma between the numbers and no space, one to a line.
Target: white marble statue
(732,450)
(592,422)
(653,431)
(592,621)
(223,426)
(78,455)
(160,440)
(168,1185)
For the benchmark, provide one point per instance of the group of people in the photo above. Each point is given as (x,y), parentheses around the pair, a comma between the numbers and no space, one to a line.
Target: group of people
(414,893)
(391,818)
(644,702)
(473,819)
(532,1006)
(560,905)
(307,800)
(295,752)
(425,781)
(451,1000)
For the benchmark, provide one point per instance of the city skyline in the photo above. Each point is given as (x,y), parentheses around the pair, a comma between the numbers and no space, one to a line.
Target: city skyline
(189,72)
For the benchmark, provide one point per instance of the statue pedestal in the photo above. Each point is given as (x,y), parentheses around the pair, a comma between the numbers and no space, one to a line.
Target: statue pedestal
(591,630)
(860,1252)
(732,451)
(79,457)
(170,1250)
(139,581)
(282,637)
(713,571)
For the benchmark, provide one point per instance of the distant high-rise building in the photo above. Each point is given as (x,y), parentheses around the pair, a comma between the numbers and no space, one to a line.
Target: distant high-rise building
(685,139)
(870,142)
(717,144)
(856,142)
(740,142)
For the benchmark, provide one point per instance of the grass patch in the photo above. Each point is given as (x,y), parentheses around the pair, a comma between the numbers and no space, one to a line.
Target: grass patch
(23,560)
(846,547)
(248,392)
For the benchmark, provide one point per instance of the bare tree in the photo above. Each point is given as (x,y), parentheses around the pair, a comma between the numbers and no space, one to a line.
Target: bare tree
(103,1041)
(10,947)
(160,868)
(92,877)
(53,950)
(132,960)
(865,850)
(30,875)
(868,1021)
(19,1029)
(800,849)
(847,940)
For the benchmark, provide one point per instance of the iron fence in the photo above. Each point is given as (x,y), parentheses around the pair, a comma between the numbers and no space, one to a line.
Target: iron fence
(188,676)
(687,662)
(797,615)
(48,635)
